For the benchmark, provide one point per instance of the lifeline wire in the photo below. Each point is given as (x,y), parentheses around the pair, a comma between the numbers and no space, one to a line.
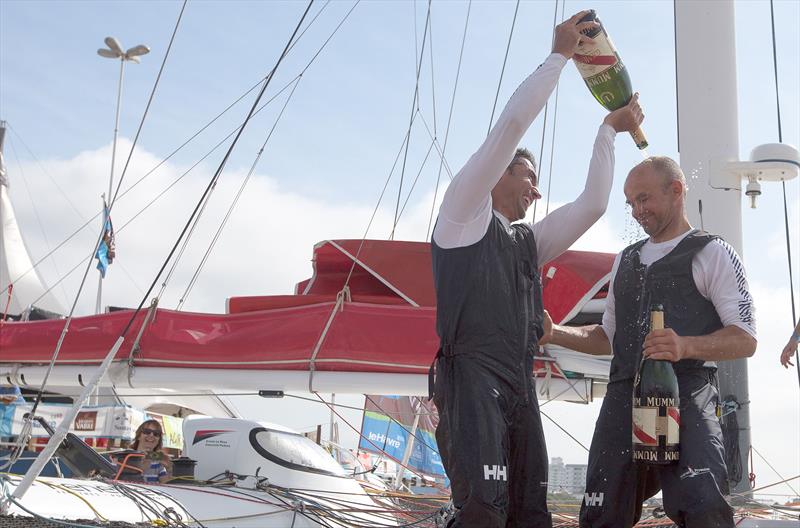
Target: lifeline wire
(503,69)
(217,173)
(783,182)
(222,225)
(100,237)
(544,120)
(178,149)
(449,120)
(414,110)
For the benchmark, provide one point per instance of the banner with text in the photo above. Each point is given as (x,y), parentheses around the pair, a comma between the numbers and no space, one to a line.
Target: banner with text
(387,425)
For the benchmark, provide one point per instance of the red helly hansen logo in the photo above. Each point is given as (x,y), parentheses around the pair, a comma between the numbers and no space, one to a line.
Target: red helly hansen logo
(494,472)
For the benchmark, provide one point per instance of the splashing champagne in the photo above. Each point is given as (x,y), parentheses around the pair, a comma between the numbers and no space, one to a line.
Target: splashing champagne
(656,411)
(604,73)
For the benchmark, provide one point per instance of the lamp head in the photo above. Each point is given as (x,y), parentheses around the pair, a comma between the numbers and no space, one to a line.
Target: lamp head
(115,46)
(136,51)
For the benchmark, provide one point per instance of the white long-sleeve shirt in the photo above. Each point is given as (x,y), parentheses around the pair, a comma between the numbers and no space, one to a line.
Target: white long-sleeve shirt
(466,209)
(718,275)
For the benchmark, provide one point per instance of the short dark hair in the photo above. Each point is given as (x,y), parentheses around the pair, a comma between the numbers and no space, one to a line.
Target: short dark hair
(520,154)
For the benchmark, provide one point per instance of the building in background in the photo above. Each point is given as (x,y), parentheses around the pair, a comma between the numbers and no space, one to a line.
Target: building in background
(566,478)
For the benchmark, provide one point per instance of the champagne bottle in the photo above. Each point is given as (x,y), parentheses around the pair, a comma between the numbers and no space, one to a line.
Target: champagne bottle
(604,73)
(656,412)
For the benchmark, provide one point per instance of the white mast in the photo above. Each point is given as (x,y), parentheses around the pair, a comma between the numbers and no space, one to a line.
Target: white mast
(708,143)
(708,134)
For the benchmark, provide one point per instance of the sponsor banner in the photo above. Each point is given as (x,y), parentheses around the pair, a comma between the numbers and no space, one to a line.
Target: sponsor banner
(387,436)
(173,431)
(98,421)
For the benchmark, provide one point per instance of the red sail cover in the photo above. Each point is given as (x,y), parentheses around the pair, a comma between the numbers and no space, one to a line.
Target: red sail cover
(388,325)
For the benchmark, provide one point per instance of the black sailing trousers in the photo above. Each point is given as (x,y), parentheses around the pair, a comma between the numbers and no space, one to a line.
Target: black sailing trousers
(693,489)
(491,442)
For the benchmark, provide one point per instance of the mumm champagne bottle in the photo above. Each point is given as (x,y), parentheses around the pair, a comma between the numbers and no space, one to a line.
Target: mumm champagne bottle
(604,73)
(656,412)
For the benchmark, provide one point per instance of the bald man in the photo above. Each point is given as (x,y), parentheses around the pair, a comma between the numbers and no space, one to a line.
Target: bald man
(709,316)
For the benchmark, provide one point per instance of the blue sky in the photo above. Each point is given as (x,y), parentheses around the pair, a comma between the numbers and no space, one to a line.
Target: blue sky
(326,163)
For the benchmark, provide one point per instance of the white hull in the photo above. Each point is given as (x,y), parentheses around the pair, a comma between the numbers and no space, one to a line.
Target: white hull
(72,499)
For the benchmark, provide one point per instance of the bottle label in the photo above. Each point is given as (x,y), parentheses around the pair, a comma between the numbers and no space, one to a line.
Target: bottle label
(644,426)
(594,59)
(656,430)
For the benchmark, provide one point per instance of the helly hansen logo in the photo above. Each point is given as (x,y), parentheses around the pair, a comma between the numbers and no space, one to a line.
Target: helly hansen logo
(494,472)
(593,499)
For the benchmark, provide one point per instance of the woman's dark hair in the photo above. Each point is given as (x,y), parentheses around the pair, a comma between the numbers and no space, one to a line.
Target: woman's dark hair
(135,444)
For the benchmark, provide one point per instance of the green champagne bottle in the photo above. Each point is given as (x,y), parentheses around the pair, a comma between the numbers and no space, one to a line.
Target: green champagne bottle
(604,73)
(656,411)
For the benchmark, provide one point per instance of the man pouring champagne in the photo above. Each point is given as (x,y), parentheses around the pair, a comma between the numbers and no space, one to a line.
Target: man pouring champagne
(489,302)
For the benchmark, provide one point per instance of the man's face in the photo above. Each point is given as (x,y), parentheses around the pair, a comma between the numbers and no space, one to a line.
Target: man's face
(517,190)
(654,199)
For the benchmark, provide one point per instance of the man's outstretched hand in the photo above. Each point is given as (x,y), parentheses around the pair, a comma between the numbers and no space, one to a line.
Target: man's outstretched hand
(568,35)
(547,326)
(628,118)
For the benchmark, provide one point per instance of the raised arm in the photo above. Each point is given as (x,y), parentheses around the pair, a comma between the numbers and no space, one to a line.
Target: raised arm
(466,208)
(556,232)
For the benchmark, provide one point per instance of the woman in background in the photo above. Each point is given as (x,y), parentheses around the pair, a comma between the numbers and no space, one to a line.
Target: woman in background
(149,440)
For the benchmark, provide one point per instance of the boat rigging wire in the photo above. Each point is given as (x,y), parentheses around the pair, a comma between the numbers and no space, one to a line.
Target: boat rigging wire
(773,469)
(218,172)
(235,201)
(449,121)
(23,438)
(228,213)
(158,196)
(675,55)
(414,111)
(54,440)
(783,182)
(416,179)
(175,151)
(546,108)
(433,81)
(553,136)
(360,435)
(37,215)
(563,430)
(503,69)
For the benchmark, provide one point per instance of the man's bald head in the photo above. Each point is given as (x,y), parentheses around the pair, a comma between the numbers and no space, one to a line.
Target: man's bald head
(656,191)
(665,167)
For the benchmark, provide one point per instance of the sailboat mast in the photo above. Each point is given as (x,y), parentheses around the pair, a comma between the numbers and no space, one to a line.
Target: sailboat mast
(708,134)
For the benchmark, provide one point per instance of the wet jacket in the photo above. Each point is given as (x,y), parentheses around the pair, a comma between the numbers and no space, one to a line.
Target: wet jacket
(489,299)
(668,281)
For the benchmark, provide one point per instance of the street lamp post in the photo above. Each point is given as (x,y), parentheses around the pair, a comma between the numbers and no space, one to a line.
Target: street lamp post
(114,51)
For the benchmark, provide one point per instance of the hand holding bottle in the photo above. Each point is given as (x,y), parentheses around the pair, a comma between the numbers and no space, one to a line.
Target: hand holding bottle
(665,345)
(568,34)
(628,118)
